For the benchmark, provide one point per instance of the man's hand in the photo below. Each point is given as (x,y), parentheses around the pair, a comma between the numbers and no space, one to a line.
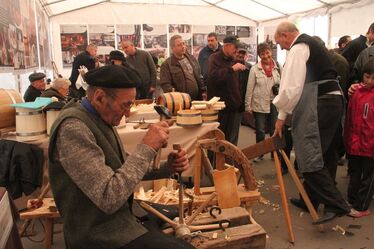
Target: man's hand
(352,89)
(157,135)
(178,161)
(278,128)
(238,67)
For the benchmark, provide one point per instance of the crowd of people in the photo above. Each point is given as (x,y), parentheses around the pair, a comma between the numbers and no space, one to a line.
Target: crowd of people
(303,100)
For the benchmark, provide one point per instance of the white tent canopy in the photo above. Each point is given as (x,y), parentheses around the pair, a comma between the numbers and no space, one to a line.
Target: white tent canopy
(255,10)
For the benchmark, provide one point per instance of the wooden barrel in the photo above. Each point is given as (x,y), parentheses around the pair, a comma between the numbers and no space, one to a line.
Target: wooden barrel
(51,116)
(209,115)
(8,113)
(175,101)
(30,124)
(188,118)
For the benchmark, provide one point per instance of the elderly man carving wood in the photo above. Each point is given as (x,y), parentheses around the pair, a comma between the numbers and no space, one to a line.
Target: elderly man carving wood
(93,179)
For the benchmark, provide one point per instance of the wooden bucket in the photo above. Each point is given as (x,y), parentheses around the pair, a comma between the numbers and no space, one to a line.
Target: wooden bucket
(7,112)
(30,124)
(209,115)
(189,118)
(51,117)
(175,101)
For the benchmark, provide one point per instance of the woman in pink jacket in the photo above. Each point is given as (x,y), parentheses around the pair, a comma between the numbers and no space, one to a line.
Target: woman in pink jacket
(359,142)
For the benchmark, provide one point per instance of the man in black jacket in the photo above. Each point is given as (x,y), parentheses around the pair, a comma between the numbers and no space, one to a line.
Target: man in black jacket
(87,59)
(354,48)
(37,85)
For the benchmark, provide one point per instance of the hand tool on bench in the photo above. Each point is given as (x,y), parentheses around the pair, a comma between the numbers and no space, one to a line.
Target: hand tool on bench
(164,114)
(184,230)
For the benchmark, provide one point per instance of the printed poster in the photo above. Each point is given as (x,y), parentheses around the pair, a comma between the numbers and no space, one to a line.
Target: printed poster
(104,38)
(73,42)
(129,32)
(200,37)
(155,39)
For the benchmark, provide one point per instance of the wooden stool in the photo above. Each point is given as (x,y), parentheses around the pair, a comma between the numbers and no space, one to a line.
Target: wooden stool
(48,212)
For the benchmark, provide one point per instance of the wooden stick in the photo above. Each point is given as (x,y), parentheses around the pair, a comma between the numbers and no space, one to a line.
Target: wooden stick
(201,208)
(282,190)
(301,190)
(197,178)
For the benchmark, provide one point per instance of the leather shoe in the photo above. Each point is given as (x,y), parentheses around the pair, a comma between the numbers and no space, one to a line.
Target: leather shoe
(299,203)
(325,218)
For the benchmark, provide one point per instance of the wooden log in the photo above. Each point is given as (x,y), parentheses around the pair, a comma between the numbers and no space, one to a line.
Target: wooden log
(247,236)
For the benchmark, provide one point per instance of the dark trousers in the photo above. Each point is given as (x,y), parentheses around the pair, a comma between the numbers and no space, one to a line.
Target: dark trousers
(229,124)
(320,184)
(263,120)
(361,184)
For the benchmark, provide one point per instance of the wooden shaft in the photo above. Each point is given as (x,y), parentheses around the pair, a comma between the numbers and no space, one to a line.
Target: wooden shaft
(201,208)
(197,168)
(181,191)
(207,227)
(282,190)
(158,214)
(301,190)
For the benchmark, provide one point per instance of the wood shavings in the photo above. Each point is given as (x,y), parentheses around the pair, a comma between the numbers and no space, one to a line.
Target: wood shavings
(215,236)
(261,211)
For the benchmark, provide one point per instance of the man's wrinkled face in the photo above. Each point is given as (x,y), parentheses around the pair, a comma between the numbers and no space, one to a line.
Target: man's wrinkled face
(240,56)
(281,39)
(179,48)
(39,84)
(230,50)
(212,42)
(113,108)
(128,48)
(92,51)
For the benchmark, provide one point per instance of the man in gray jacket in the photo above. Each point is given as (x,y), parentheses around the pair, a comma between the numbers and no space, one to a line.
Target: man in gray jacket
(91,176)
(143,63)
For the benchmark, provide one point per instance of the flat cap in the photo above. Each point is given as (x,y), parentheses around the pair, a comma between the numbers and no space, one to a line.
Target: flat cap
(231,39)
(113,76)
(242,47)
(36,76)
(116,55)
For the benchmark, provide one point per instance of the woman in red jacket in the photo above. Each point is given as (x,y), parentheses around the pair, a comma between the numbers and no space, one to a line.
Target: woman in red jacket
(359,142)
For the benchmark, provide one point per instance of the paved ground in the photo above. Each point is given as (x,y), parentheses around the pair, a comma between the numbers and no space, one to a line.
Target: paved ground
(272,220)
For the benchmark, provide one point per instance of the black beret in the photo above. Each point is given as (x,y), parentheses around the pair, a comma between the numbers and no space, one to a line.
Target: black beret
(232,39)
(36,76)
(113,76)
(116,55)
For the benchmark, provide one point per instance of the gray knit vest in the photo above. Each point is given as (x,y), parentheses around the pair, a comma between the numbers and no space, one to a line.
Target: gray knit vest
(85,225)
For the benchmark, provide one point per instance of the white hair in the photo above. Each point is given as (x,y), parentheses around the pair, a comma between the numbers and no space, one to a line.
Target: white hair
(60,83)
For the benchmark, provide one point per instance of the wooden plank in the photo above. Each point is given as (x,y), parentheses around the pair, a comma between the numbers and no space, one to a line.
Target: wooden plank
(268,145)
(226,188)
(247,236)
